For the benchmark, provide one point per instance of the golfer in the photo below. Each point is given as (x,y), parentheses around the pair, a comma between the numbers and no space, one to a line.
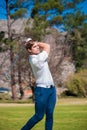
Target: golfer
(45,92)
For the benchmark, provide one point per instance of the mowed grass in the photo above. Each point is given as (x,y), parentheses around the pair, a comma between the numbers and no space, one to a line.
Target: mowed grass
(70,114)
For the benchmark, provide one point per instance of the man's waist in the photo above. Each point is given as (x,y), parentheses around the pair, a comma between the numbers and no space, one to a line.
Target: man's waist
(45,86)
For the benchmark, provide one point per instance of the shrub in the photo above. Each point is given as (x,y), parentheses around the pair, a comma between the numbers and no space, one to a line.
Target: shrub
(5,96)
(77,84)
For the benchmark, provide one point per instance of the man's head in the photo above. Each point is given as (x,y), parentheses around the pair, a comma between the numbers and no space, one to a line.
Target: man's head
(32,46)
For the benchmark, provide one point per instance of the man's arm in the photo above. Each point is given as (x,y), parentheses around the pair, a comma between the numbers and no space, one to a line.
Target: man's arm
(44,47)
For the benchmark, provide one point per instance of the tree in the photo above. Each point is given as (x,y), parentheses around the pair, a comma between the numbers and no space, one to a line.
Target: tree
(41,11)
(52,13)
(74,21)
(55,12)
(78,42)
(14,9)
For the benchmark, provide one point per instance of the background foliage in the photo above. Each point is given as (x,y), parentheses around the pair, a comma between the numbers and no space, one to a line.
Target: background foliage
(77,84)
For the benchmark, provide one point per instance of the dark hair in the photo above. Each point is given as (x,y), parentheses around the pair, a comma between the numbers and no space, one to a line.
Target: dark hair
(29,44)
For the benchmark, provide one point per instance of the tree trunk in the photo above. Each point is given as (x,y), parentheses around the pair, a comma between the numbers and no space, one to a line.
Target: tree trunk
(31,84)
(20,81)
(14,96)
(11,52)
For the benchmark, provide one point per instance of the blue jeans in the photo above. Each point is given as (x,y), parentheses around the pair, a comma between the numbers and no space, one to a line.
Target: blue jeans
(45,100)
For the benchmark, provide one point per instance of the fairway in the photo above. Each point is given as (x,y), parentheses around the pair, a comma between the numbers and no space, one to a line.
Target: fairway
(70,114)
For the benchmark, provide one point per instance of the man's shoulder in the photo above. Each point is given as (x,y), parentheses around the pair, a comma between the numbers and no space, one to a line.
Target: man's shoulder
(33,58)
(43,53)
(42,56)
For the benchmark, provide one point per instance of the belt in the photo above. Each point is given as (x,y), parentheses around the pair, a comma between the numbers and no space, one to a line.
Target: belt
(45,86)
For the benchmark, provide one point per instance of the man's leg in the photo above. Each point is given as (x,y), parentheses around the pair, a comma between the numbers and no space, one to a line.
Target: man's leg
(40,107)
(50,109)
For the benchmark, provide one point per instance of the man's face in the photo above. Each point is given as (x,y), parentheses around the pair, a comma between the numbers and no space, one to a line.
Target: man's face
(35,49)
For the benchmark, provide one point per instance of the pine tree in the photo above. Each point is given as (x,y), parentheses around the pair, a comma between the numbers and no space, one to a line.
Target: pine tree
(14,10)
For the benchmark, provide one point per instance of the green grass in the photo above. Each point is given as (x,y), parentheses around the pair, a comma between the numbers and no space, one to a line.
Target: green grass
(70,114)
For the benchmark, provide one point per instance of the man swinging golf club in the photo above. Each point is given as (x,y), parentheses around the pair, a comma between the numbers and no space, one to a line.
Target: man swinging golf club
(45,92)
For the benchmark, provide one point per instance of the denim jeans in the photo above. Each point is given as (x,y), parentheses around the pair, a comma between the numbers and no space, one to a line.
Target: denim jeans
(45,100)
